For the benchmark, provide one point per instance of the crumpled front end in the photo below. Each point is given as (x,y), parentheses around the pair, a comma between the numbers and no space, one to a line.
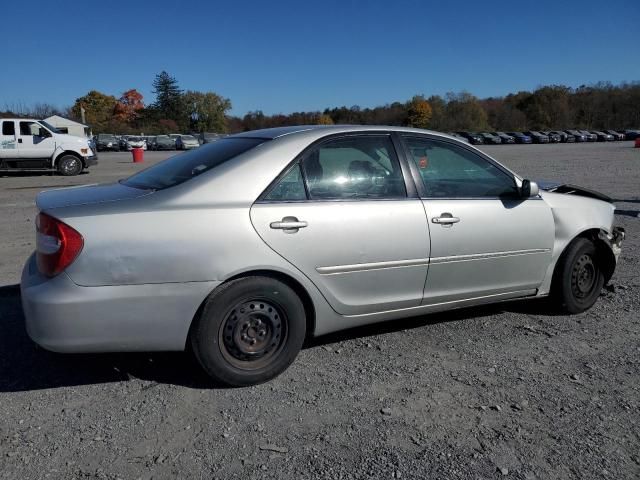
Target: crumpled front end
(614,240)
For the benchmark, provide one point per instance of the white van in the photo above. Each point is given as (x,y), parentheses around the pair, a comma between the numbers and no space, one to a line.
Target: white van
(34,144)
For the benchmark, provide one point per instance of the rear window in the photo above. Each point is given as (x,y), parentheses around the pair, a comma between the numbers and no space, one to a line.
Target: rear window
(186,166)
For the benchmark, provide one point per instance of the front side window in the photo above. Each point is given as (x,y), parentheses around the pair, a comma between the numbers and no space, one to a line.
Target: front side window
(451,171)
(49,126)
(357,167)
(29,128)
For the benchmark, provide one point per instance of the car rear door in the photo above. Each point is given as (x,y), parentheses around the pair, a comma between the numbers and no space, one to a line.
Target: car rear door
(342,215)
(34,141)
(485,239)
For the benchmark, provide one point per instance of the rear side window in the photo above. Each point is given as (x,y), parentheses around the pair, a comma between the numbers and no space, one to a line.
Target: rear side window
(186,166)
(8,128)
(289,189)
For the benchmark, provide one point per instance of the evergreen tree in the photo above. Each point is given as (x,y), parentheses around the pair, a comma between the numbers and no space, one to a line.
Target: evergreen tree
(168,96)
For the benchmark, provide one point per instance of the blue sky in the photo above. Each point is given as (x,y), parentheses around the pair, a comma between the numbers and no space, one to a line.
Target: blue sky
(301,55)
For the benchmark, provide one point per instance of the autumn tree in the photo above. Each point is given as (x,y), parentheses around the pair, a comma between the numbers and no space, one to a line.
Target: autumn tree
(98,109)
(129,106)
(324,119)
(418,112)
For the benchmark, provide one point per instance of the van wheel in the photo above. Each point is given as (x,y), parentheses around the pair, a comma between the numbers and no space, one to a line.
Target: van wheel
(69,165)
(579,278)
(250,330)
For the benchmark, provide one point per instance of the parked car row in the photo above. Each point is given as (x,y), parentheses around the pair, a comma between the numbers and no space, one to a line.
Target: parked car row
(547,136)
(173,141)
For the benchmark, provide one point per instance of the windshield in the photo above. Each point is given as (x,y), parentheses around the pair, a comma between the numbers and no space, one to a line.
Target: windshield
(134,139)
(187,137)
(49,126)
(181,168)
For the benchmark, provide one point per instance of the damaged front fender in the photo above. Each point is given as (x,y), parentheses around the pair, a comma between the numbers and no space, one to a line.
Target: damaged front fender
(614,240)
(569,189)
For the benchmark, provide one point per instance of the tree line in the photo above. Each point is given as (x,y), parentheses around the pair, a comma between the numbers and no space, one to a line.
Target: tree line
(173,110)
(599,106)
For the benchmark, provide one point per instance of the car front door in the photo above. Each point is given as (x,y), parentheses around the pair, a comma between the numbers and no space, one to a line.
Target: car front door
(8,140)
(34,141)
(485,239)
(342,216)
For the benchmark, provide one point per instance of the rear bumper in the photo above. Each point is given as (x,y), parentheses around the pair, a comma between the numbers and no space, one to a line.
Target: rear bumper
(64,317)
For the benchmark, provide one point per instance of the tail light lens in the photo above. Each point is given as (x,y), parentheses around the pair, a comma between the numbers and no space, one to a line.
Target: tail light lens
(57,245)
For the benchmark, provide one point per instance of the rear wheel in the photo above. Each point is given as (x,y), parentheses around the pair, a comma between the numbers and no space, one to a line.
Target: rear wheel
(250,331)
(69,165)
(579,278)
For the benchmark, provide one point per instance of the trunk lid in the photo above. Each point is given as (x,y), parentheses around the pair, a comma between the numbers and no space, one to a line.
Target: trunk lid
(86,195)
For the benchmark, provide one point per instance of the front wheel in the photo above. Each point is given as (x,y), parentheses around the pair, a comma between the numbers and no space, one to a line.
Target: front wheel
(250,330)
(579,278)
(69,165)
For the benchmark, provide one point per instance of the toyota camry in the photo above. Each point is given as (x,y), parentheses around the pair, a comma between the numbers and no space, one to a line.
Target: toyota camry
(244,247)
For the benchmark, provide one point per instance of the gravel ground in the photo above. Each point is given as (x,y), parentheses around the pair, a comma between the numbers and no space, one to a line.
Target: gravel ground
(505,391)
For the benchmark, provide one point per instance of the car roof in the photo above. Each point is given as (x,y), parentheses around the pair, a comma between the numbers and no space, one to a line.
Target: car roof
(19,119)
(322,130)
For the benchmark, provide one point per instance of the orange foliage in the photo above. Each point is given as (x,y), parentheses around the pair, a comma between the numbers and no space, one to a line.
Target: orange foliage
(128,106)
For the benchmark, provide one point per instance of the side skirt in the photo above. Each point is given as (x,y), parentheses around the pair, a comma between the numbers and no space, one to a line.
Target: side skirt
(349,321)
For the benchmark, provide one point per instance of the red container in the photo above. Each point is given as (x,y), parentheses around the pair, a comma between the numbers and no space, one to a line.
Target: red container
(637,144)
(138,155)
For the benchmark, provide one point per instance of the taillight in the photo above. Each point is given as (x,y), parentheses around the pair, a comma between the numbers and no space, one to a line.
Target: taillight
(57,245)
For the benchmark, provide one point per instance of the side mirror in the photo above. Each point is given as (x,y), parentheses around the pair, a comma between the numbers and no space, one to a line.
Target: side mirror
(43,133)
(529,189)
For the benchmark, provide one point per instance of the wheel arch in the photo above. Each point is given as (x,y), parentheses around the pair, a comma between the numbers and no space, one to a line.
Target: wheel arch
(65,153)
(606,257)
(295,285)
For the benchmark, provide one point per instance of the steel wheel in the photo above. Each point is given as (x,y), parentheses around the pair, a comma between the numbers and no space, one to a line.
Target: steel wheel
(583,276)
(578,278)
(252,332)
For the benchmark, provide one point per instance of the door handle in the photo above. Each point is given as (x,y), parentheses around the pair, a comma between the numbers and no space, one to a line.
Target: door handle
(445,219)
(19,140)
(289,224)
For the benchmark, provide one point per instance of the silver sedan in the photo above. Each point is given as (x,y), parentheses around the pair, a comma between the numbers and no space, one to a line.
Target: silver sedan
(246,246)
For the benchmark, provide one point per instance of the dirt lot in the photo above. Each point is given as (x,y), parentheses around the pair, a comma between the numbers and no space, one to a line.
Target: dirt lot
(507,391)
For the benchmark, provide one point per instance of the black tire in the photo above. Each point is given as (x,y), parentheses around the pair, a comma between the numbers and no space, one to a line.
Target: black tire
(579,278)
(250,330)
(69,165)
